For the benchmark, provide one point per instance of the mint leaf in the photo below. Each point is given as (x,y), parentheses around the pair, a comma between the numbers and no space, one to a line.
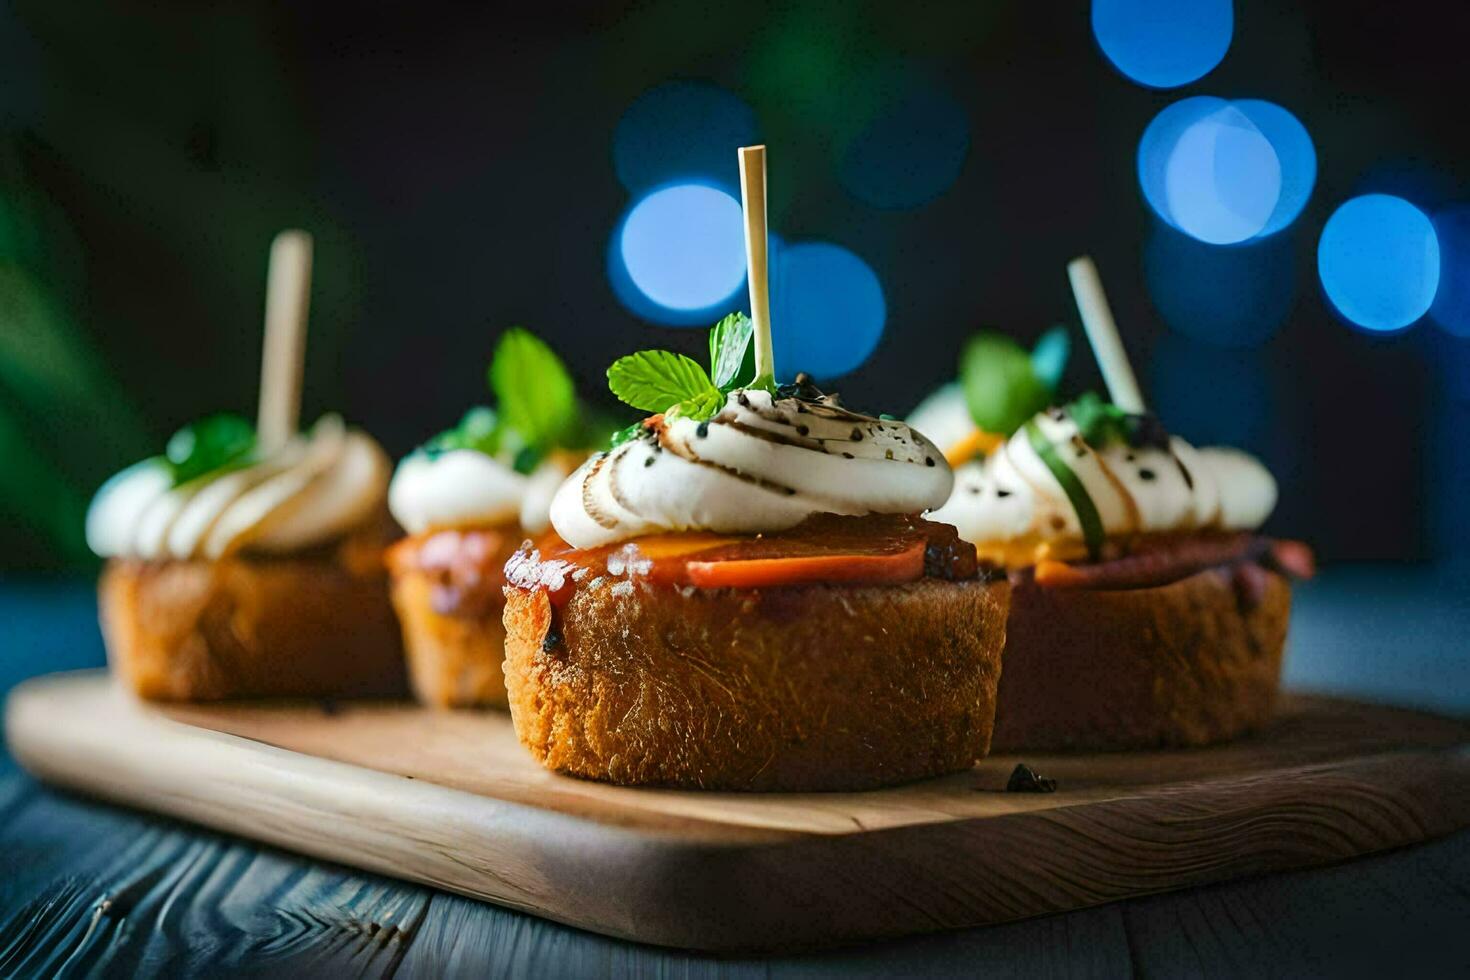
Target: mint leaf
(1098,422)
(656,380)
(1000,385)
(625,435)
(533,391)
(731,354)
(479,430)
(1049,357)
(213,443)
(1101,423)
(701,406)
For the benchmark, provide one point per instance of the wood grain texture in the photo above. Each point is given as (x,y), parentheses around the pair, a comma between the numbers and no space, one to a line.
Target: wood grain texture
(121,894)
(1401,913)
(449,800)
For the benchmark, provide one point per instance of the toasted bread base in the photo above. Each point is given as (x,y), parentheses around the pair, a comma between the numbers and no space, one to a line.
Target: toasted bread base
(799,688)
(453,661)
(1190,663)
(204,631)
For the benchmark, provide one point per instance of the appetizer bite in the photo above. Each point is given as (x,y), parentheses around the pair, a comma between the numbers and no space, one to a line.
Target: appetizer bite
(741,594)
(468,498)
(249,563)
(1146,609)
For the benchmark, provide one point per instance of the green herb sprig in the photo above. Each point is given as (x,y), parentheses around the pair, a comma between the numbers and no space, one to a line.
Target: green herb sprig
(537,408)
(1004,385)
(215,442)
(1101,423)
(662,381)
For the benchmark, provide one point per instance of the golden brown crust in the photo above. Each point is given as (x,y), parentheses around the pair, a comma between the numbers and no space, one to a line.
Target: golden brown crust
(795,688)
(454,661)
(1189,663)
(203,631)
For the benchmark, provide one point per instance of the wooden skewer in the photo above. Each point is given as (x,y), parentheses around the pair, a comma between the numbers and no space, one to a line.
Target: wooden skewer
(287,303)
(1102,333)
(753,202)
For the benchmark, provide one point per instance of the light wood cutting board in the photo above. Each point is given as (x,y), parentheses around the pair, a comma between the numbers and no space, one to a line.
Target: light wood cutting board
(450,799)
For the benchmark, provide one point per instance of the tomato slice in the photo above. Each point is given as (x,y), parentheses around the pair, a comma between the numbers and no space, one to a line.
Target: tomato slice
(875,548)
(752,573)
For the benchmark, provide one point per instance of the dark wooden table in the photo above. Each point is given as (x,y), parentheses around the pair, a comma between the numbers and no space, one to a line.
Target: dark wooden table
(90,889)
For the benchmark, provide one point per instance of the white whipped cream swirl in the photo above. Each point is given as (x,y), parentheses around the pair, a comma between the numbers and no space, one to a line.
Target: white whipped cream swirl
(1012,497)
(463,488)
(320,486)
(761,464)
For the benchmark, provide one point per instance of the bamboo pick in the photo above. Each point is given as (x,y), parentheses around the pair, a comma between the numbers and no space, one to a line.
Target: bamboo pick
(287,303)
(753,203)
(1102,333)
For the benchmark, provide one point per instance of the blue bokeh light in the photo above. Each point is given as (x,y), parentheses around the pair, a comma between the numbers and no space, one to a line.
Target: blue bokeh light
(1295,154)
(910,154)
(1156,147)
(1451,309)
(678,256)
(1378,259)
(1223,179)
(680,131)
(1163,43)
(1226,172)
(828,309)
(1225,297)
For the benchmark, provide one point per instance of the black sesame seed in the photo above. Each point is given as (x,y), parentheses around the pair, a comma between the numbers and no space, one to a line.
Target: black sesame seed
(1145,474)
(1002,493)
(743,400)
(648,461)
(702,430)
(857,434)
(802,430)
(847,456)
(1130,457)
(928,460)
(976,488)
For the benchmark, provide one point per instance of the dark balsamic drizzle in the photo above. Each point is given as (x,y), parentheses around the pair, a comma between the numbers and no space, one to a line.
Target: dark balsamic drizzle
(590,505)
(756,432)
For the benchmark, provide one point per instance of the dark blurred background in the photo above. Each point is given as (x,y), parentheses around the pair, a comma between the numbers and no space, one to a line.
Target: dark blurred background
(932,167)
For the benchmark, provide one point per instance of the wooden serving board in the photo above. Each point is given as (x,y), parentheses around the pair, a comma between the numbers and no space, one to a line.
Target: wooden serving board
(450,799)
